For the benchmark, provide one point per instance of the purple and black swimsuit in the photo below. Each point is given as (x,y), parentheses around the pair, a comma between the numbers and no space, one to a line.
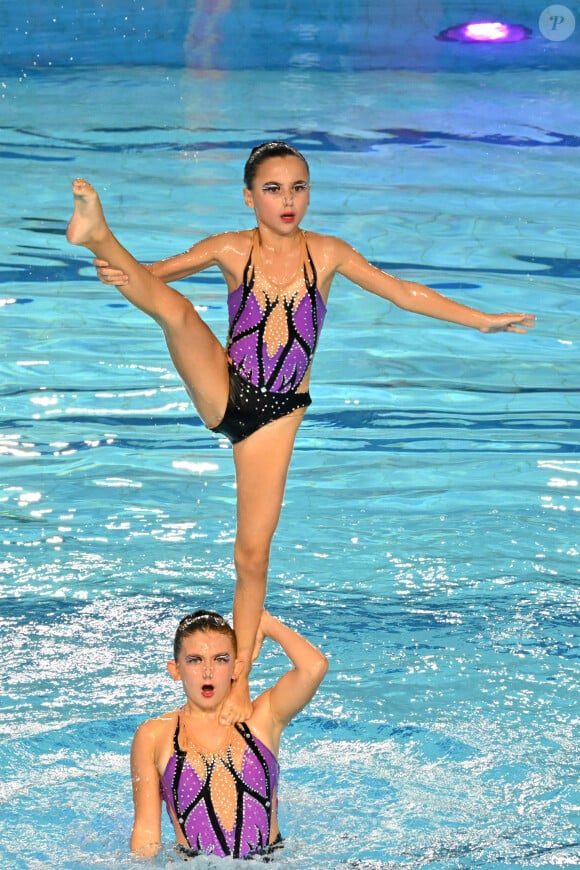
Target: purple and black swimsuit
(271,342)
(223,802)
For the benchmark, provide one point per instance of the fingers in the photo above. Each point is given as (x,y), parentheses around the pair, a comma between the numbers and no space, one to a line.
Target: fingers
(525,320)
(227,718)
(108,275)
(511,323)
(522,324)
(231,714)
(237,707)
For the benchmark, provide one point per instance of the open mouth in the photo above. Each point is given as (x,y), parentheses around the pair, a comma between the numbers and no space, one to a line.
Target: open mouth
(207,690)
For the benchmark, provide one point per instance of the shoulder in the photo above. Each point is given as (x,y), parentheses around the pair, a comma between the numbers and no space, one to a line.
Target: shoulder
(332,248)
(233,236)
(236,241)
(152,746)
(331,256)
(230,251)
(150,732)
(320,240)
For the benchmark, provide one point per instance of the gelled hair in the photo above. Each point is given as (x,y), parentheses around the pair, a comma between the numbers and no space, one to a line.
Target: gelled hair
(263,152)
(202,620)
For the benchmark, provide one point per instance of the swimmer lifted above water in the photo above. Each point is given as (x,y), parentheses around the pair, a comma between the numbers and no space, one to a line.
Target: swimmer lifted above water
(255,390)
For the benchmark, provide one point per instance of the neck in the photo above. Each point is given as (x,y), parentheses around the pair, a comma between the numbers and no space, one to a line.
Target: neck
(204,735)
(191,711)
(277,244)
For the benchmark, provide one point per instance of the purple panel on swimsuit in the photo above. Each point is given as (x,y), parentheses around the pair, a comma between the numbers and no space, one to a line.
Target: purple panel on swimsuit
(247,355)
(292,371)
(269,364)
(198,827)
(252,314)
(256,818)
(304,321)
(244,351)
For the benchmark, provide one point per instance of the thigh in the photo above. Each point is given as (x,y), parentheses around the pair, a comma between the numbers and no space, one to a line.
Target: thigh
(201,362)
(262,463)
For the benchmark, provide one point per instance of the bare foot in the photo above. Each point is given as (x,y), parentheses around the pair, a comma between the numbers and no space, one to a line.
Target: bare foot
(87,226)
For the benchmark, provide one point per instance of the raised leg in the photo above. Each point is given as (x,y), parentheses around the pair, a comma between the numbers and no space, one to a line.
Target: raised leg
(197,354)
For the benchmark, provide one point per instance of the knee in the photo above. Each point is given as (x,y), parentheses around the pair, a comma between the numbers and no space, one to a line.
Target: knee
(178,314)
(251,559)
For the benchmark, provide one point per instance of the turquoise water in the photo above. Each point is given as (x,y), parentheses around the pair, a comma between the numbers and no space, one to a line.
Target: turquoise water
(429,538)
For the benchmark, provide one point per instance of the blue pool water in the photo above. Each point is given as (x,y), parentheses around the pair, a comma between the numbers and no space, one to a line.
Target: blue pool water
(429,541)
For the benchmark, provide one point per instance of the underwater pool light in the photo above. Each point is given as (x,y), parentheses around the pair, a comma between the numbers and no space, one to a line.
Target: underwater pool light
(485,31)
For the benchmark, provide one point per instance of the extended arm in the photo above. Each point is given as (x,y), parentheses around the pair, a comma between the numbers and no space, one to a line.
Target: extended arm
(146,834)
(421,299)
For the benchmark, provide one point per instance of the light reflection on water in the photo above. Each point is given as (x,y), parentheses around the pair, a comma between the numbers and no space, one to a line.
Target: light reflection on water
(428,539)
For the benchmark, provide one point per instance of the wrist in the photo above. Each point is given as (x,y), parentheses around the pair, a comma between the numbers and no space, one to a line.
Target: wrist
(243,666)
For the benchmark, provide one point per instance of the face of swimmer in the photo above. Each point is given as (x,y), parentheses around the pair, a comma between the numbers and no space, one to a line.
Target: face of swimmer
(206,665)
(280,193)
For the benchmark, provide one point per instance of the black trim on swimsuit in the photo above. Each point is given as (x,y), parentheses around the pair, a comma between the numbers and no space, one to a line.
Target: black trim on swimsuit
(250,407)
(204,794)
(248,281)
(267,853)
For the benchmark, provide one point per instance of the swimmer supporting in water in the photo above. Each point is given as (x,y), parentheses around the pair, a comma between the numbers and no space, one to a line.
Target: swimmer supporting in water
(219,782)
(255,390)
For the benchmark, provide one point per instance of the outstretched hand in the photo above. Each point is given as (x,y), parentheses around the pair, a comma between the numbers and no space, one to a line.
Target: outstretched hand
(107,275)
(509,323)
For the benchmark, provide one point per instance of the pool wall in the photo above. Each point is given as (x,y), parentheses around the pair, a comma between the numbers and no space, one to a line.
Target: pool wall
(250,34)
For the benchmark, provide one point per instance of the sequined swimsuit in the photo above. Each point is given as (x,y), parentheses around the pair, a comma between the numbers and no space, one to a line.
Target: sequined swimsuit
(271,342)
(222,802)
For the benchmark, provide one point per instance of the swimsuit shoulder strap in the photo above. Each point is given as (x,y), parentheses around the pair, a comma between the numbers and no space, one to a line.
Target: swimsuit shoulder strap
(176,747)
(310,283)
(248,276)
(253,246)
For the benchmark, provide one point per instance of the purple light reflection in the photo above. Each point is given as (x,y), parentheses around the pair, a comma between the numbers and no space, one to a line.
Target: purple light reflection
(485,31)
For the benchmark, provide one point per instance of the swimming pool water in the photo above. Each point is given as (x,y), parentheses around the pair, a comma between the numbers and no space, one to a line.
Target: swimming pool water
(429,537)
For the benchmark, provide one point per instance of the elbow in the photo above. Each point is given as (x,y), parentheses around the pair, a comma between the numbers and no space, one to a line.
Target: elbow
(320,668)
(314,671)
